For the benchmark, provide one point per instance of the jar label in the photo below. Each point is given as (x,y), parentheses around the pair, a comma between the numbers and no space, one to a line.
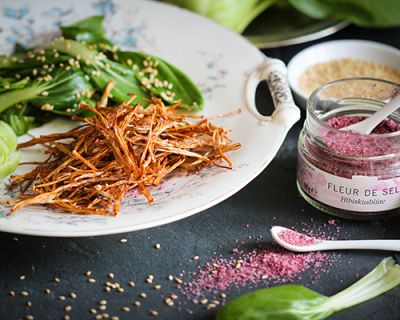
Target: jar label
(360,193)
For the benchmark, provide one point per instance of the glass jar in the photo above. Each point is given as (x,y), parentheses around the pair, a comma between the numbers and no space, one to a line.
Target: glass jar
(345,173)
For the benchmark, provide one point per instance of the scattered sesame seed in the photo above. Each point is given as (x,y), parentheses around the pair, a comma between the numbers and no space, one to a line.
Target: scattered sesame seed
(174,296)
(29,317)
(123,240)
(157,286)
(178,281)
(73,295)
(91,280)
(103,307)
(111,275)
(136,303)
(24,293)
(15,238)
(196,258)
(143,295)
(223,295)
(102,302)
(22,277)
(47,291)
(132,284)
(67,317)
(211,306)
(203,301)
(29,304)
(45,93)
(99,316)
(120,289)
(170,277)
(125,309)
(68,308)
(62,298)
(88,273)
(92,311)
(114,318)
(153,313)
(107,289)
(157,246)
(169,302)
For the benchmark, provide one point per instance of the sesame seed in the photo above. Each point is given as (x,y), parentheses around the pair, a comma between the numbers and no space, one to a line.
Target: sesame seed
(91,280)
(99,316)
(136,303)
(211,306)
(7,86)
(132,284)
(11,293)
(73,295)
(149,280)
(15,238)
(264,276)
(114,318)
(143,295)
(111,275)
(178,281)
(123,240)
(157,246)
(125,309)
(67,317)
(196,258)
(169,302)
(153,313)
(24,293)
(174,296)
(88,273)
(47,291)
(157,286)
(107,289)
(45,93)
(29,317)
(103,307)
(29,304)
(62,298)
(223,295)
(93,311)
(203,301)
(170,277)
(68,308)
(120,290)
(103,302)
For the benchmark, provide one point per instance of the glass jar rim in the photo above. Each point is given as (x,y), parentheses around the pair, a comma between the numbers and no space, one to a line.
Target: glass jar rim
(329,84)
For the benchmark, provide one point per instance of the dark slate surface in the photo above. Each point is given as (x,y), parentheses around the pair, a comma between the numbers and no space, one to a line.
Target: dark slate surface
(271,198)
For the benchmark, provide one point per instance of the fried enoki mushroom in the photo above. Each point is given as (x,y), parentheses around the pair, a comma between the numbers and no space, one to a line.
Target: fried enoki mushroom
(119,149)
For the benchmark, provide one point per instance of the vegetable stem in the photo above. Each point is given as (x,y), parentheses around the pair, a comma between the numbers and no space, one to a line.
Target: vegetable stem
(383,278)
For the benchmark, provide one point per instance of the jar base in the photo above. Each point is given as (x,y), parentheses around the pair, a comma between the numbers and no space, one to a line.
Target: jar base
(344,213)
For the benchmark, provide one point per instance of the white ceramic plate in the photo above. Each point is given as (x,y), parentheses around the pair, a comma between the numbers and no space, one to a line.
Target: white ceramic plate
(338,49)
(218,60)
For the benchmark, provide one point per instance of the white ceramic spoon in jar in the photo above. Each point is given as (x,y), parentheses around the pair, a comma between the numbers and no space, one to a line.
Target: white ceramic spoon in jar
(367,125)
(298,242)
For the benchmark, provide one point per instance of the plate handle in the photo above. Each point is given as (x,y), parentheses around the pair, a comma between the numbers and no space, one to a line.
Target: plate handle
(274,72)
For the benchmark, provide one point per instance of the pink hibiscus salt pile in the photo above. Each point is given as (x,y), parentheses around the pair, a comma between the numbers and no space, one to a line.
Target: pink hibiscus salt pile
(265,265)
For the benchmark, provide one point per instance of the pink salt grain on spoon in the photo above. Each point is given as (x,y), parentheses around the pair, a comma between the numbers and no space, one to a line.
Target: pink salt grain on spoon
(298,242)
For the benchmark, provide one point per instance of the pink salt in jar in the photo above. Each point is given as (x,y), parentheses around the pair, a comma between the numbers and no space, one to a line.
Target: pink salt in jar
(344,173)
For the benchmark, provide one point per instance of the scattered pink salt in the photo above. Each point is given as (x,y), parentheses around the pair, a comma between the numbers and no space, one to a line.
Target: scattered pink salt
(297,239)
(267,265)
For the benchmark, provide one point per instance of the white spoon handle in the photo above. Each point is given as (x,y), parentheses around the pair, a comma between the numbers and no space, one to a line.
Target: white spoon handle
(366,126)
(390,245)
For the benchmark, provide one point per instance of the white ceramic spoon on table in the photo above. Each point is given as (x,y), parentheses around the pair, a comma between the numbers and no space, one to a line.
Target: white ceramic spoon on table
(367,125)
(321,245)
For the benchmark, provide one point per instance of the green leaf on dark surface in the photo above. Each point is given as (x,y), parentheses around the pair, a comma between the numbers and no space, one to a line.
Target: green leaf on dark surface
(371,13)
(295,302)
